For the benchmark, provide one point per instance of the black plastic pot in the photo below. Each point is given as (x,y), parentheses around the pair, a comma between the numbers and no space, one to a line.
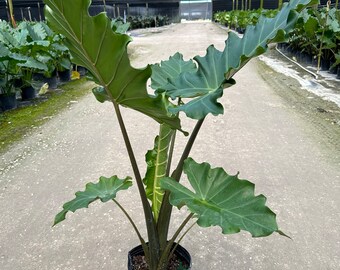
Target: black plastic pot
(180,251)
(338,73)
(307,58)
(64,76)
(325,64)
(333,70)
(38,77)
(52,82)
(27,93)
(82,71)
(8,101)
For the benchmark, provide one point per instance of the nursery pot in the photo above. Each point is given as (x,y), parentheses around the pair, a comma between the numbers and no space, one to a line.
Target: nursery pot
(338,73)
(333,70)
(38,77)
(325,64)
(52,82)
(8,101)
(81,70)
(65,75)
(181,253)
(27,93)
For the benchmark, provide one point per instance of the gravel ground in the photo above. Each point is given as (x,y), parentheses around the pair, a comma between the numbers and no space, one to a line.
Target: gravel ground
(261,135)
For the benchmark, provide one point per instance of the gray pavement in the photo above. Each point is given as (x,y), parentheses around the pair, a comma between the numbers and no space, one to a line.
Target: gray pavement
(259,135)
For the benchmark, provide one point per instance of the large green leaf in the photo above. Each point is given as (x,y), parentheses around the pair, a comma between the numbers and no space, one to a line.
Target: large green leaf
(216,67)
(170,69)
(157,161)
(221,199)
(103,52)
(105,190)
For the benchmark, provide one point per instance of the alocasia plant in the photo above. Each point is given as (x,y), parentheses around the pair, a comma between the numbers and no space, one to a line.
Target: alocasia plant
(216,198)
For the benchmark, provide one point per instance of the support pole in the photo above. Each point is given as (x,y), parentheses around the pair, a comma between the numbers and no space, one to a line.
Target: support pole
(39,12)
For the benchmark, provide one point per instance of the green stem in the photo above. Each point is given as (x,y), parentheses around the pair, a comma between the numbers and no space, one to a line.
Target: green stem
(180,239)
(322,36)
(171,151)
(165,255)
(172,145)
(149,220)
(166,209)
(142,241)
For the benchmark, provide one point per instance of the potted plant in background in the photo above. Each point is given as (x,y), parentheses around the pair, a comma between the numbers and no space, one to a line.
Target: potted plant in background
(7,92)
(7,80)
(190,88)
(62,57)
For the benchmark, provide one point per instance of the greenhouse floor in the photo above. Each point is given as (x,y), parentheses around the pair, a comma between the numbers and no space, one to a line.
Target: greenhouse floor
(282,138)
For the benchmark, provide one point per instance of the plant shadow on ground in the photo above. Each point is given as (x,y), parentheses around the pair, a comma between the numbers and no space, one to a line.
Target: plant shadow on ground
(15,124)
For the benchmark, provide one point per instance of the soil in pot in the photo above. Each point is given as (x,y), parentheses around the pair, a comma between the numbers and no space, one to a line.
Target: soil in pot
(181,259)
(8,102)
(27,93)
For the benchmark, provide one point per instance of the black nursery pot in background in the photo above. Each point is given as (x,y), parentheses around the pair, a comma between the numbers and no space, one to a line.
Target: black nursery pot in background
(64,76)
(325,64)
(181,253)
(52,82)
(27,93)
(8,102)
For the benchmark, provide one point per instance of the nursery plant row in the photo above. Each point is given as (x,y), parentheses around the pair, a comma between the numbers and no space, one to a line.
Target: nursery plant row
(31,54)
(314,40)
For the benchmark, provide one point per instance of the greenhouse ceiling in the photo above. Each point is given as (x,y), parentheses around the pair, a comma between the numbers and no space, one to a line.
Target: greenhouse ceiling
(28,3)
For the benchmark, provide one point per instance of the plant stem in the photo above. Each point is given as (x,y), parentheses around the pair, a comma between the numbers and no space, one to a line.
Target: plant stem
(180,239)
(322,36)
(142,241)
(149,220)
(171,151)
(166,209)
(172,145)
(163,260)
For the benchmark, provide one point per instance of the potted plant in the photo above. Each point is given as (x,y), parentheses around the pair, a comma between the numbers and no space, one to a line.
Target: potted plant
(190,88)
(62,57)
(7,93)
(7,80)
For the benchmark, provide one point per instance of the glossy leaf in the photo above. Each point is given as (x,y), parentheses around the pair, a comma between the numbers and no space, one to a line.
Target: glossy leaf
(105,190)
(100,94)
(170,69)
(222,199)
(94,45)
(216,67)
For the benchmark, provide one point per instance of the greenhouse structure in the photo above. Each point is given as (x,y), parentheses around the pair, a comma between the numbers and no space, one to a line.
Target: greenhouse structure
(33,10)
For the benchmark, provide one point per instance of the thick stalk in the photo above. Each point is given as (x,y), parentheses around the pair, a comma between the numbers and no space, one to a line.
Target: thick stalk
(166,209)
(163,261)
(180,239)
(149,220)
